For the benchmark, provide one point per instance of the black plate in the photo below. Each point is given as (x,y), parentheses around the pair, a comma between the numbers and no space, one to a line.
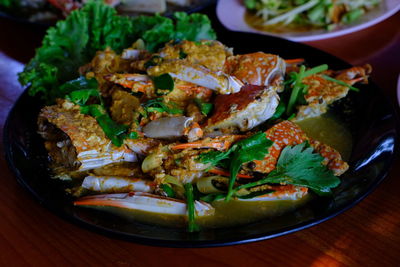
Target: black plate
(373,125)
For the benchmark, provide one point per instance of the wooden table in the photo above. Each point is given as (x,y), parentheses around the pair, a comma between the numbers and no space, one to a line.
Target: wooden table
(366,235)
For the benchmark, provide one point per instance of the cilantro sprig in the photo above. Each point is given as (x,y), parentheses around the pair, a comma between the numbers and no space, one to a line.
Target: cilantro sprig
(299,166)
(253,148)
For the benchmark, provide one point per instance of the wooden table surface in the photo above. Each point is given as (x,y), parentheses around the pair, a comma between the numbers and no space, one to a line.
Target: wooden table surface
(366,235)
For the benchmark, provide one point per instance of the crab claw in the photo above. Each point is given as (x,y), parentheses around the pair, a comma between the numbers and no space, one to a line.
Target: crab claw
(243,110)
(199,75)
(172,128)
(111,184)
(139,201)
(257,69)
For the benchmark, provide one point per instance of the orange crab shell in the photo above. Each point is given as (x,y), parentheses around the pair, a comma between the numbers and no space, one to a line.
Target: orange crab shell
(282,134)
(288,133)
(254,68)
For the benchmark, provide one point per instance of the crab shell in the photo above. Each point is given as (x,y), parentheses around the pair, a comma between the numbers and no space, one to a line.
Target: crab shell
(243,110)
(72,136)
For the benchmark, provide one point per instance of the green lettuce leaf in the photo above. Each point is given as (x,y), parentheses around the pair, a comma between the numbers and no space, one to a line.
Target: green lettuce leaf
(71,44)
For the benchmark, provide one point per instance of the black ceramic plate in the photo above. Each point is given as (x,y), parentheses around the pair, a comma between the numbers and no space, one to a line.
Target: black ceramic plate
(373,125)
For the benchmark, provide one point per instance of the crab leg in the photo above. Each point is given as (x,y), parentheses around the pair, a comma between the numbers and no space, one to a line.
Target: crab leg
(140,201)
(219,142)
(136,82)
(113,184)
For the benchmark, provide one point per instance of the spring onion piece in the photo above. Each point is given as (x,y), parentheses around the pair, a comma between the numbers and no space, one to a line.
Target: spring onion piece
(328,78)
(192,227)
(298,87)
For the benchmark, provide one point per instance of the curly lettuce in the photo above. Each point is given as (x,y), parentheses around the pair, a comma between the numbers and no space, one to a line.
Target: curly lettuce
(74,41)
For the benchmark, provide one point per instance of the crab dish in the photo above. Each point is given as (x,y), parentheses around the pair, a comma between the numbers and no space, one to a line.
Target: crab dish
(193,134)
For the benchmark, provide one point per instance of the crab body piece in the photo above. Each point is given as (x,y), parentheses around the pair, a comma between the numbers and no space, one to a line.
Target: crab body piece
(243,110)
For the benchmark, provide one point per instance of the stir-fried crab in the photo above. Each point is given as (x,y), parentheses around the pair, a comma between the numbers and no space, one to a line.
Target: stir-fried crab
(322,92)
(288,133)
(243,110)
(76,141)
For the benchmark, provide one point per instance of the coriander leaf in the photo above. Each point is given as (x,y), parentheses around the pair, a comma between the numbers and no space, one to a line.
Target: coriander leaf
(80,90)
(214,157)
(298,165)
(253,148)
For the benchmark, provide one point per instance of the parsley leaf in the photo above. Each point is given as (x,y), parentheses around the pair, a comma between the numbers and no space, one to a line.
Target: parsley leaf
(298,165)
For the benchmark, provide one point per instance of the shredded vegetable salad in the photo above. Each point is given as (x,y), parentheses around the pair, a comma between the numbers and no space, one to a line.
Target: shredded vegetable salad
(327,14)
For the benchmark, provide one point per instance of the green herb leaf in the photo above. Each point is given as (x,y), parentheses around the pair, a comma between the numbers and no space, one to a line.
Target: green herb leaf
(163,84)
(204,107)
(114,131)
(71,44)
(168,190)
(158,105)
(253,148)
(214,157)
(299,89)
(192,227)
(212,197)
(298,165)
(328,78)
